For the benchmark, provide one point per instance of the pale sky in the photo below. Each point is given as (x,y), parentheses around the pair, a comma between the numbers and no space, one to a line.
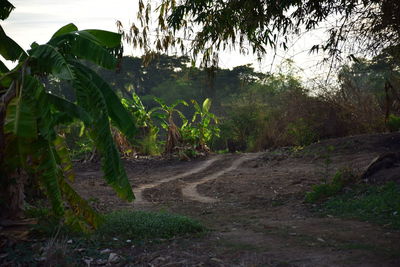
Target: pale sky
(37,20)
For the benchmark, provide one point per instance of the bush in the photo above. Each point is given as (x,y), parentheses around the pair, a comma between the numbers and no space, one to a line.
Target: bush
(323,191)
(393,123)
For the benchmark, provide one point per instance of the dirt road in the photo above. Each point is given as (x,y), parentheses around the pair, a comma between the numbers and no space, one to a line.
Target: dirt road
(253,202)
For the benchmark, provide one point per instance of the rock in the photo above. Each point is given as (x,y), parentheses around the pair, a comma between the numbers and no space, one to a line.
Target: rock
(101,262)
(383,169)
(88,261)
(216,260)
(113,258)
(105,251)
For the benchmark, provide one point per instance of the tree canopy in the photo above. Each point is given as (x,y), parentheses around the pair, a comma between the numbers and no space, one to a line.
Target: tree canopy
(253,26)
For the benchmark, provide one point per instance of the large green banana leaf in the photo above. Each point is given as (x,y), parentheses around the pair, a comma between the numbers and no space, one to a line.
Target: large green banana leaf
(117,112)
(20,120)
(70,109)
(48,59)
(106,38)
(49,173)
(93,101)
(65,29)
(9,49)
(90,45)
(79,205)
(5,9)
(3,68)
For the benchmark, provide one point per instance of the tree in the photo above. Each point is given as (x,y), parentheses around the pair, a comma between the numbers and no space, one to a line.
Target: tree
(214,25)
(29,115)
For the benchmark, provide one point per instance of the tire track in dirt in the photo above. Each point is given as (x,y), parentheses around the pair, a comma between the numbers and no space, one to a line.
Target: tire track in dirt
(190,190)
(138,191)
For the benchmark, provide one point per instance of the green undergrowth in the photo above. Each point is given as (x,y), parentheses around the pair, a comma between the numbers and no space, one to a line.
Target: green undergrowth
(373,203)
(321,192)
(142,225)
(377,204)
(124,224)
(53,243)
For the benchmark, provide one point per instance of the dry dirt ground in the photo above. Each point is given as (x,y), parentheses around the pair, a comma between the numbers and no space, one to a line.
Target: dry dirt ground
(254,205)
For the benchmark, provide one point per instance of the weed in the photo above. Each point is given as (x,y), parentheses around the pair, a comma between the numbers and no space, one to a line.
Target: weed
(140,225)
(327,161)
(20,254)
(393,123)
(323,191)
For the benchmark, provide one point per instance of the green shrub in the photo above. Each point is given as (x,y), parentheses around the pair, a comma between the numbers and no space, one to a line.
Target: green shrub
(323,191)
(393,123)
(301,132)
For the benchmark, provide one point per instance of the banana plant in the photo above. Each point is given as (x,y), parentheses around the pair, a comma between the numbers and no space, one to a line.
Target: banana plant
(148,143)
(173,133)
(203,126)
(30,147)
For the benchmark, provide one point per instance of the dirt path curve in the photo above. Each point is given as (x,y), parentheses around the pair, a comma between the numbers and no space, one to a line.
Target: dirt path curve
(190,190)
(139,199)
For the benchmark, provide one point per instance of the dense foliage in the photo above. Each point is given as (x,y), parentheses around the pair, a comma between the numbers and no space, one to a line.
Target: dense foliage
(32,151)
(255,110)
(366,26)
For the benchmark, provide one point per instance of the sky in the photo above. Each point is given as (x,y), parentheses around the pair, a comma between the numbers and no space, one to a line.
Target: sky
(37,20)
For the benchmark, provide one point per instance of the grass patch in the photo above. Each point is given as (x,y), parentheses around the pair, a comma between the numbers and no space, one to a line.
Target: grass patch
(141,225)
(378,204)
(59,243)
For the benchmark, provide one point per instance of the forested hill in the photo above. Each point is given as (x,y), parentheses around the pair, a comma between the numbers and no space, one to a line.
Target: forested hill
(172,78)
